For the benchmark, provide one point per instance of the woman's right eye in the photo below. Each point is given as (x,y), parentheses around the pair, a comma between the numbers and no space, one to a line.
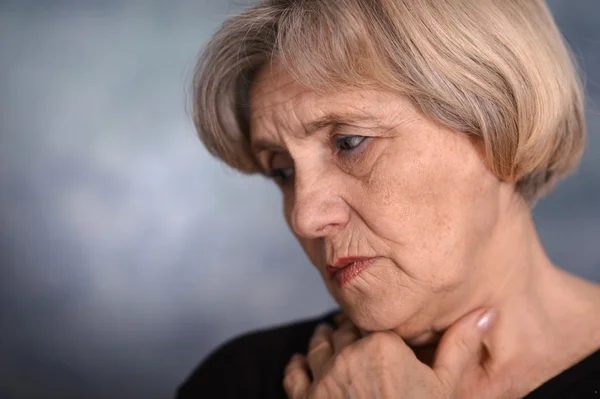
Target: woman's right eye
(282,175)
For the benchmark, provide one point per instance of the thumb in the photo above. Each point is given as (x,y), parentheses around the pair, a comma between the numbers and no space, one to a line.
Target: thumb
(461,345)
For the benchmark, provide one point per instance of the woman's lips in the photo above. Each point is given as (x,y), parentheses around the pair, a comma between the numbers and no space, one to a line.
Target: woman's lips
(346,269)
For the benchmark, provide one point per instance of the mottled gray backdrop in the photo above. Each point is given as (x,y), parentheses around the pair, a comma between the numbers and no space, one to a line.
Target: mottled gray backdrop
(126,251)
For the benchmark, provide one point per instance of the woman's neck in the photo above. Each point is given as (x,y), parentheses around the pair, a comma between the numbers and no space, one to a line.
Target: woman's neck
(548,319)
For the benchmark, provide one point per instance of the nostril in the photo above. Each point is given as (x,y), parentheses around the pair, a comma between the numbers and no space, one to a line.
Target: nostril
(318,213)
(324,229)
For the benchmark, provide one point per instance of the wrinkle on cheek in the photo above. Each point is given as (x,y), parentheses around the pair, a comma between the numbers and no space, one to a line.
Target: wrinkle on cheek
(377,170)
(388,187)
(362,168)
(349,241)
(371,244)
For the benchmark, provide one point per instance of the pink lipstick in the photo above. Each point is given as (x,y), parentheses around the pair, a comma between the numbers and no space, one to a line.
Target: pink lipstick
(345,270)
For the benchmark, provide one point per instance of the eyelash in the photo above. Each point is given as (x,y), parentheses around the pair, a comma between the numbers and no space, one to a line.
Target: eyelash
(284,174)
(340,139)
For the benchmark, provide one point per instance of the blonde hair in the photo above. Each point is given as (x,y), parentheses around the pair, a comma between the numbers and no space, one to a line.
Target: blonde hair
(496,69)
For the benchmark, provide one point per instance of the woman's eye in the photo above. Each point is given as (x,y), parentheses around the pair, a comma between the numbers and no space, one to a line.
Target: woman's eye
(348,143)
(282,175)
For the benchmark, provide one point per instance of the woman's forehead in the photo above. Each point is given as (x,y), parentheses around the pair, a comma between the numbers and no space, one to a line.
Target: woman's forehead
(274,90)
(276,98)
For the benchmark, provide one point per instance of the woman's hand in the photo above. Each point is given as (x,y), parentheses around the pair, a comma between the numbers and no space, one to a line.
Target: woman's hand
(381,365)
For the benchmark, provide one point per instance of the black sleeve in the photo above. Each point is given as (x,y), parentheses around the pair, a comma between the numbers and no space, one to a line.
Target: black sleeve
(228,372)
(581,381)
(250,366)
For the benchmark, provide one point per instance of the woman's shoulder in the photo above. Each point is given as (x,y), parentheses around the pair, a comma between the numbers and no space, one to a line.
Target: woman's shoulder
(251,365)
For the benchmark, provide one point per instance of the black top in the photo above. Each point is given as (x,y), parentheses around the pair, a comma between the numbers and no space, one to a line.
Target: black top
(252,365)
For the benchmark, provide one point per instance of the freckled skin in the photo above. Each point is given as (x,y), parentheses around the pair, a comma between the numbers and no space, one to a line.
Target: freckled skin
(417,195)
(450,237)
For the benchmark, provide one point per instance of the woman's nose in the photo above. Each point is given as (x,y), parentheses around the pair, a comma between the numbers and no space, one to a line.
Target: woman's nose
(318,209)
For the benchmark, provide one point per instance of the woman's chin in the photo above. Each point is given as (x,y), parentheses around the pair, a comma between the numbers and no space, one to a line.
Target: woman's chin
(415,332)
(369,319)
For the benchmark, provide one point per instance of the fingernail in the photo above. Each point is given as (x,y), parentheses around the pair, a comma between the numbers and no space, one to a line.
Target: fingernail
(322,327)
(487,319)
(296,357)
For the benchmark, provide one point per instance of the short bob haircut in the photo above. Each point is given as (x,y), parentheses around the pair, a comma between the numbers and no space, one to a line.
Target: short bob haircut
(498,70)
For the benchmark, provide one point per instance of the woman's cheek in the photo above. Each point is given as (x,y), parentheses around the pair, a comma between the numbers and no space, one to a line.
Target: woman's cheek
(416,226)
(363,163)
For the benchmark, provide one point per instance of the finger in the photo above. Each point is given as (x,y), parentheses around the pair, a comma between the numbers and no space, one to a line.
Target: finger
(320,349)
(345,335)
(461,345)
(296,381)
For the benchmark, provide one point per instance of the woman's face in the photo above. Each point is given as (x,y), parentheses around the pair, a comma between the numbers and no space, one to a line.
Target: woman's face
(381,181)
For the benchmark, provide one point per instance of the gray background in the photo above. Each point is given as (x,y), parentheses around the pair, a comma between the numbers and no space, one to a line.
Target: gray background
(126,251)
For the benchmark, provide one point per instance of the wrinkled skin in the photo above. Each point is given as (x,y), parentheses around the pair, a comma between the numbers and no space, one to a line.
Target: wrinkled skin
(449,238)
(381,365)
(414,194)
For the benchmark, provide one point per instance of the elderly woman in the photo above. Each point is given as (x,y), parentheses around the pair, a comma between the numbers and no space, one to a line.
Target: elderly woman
(410,140)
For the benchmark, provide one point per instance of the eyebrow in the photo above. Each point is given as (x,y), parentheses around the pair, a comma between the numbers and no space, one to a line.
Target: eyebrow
(335,119)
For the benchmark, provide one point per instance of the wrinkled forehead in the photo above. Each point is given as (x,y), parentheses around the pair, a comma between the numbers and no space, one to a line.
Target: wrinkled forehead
(277,101)
(275,95)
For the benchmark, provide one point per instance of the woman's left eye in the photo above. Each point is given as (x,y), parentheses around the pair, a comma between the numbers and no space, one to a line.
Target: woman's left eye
(348,143)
